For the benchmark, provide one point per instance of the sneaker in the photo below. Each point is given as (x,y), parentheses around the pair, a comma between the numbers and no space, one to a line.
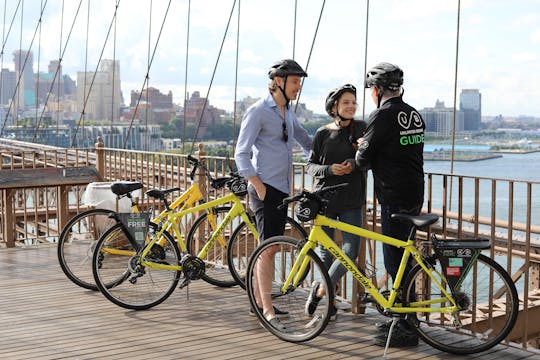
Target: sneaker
(401,337)
(277,324)
(313,299)
(383,327)
(277,311)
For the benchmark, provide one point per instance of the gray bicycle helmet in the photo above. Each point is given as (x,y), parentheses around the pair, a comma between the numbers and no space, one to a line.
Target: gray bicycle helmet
(385,76)
(335,94)
(284,68)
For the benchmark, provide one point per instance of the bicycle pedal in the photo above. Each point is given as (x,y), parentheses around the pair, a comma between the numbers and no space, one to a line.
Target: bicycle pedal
(184,283)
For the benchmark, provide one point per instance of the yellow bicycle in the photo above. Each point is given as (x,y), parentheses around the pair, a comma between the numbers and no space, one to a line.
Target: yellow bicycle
(457,299)
(142,273)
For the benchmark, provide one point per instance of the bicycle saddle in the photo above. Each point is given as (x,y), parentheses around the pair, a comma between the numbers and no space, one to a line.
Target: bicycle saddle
(122,188)
(417,220)
(160,194)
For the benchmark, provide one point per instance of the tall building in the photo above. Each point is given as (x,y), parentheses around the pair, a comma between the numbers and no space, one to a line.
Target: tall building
(99,93)
(470,103)
(159,107)
(24,69)
(440,119)
(7,86)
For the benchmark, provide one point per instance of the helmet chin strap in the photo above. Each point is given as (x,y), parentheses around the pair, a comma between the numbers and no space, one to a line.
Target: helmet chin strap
(341,119)
(287,100)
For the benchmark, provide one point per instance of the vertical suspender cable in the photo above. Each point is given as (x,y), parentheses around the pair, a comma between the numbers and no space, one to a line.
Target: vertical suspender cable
(113,90)
(212,79)
(455,87)
(149,67)
(58,72)
(148,77)
(2,53)
(96,69)
(186,79)
(83,115)
(236,78)
(455,104)
(365,62)
(310,52)
(294,29)
(58,67)
(17,89)
(36,100)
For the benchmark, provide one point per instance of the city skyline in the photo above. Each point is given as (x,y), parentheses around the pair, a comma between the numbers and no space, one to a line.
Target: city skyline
(418,35)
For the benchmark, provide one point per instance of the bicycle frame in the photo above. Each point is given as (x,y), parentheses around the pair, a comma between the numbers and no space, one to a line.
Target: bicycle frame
(318,236)
(172,220)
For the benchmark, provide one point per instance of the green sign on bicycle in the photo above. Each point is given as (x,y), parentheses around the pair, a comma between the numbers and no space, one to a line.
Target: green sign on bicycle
(136,224)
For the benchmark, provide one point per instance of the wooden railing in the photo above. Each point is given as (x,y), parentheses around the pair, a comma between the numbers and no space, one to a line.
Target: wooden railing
(500,209)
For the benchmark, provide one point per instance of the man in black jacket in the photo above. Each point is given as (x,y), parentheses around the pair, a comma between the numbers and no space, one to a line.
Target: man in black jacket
(392,147)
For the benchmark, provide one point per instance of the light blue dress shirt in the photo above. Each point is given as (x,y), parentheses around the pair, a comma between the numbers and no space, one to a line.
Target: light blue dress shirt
(261,150)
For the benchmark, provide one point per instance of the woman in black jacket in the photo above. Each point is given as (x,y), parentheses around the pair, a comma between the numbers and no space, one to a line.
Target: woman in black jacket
(332,162)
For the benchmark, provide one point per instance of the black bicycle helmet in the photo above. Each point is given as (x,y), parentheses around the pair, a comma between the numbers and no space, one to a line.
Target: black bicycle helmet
(385,76)
(284,68)
(334,96)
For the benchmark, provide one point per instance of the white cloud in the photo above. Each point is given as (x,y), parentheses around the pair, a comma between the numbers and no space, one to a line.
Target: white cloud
(418,35)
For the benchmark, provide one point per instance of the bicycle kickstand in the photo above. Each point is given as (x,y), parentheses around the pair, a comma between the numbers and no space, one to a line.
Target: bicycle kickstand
(395,320)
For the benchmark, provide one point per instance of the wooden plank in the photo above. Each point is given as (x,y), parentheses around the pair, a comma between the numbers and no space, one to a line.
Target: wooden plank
(45,316)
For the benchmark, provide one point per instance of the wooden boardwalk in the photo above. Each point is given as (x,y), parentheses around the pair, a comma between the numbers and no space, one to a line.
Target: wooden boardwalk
(44,316)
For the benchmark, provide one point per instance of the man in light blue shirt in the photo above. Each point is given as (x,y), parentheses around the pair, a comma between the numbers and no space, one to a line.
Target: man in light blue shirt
(264,156)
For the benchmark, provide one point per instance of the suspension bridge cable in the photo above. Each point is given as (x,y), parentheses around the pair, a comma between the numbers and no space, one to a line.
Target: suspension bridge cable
(21,68)
(236,77)
(212,78)
(57,68)
(186,78)
(113,110)
(455,104)
(310,52)
(36,100)
(81,119)
(148,76)
(365,63)
(294,29)
(147,73)
(83,110)
(5,37)
(16,110)
(10,25)
(2,53)
(60,76)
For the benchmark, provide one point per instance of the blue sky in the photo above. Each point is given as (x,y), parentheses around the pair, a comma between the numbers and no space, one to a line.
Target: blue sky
(499,48)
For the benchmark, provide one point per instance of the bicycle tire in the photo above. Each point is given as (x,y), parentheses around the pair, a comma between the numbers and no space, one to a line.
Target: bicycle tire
(242,243)
(121,278)
(76,244)
(217,271)
(299,326)
(480,331)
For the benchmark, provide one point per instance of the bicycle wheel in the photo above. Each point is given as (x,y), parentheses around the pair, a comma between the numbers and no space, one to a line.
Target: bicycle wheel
(243,243)
(217,269)
(274,259)
(76,245)
(489,301)
(123,280)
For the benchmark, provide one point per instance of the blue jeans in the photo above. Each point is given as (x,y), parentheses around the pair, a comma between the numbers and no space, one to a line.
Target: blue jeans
(399,230)
(351,244)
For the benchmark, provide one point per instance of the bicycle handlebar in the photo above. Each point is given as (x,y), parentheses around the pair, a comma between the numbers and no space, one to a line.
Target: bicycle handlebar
(215,183)
(315,195)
